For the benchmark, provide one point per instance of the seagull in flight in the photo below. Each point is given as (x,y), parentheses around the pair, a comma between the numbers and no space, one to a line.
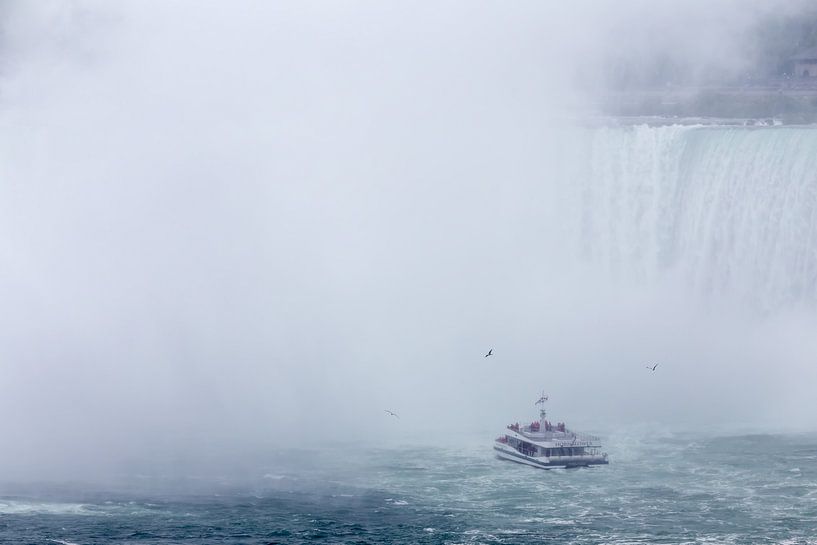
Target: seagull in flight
(391,413)
(490,353)
(652,368)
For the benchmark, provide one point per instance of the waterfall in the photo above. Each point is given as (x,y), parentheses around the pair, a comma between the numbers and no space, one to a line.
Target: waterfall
(728,210)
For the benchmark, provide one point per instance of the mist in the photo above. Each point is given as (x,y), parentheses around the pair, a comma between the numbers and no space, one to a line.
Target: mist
(225,227)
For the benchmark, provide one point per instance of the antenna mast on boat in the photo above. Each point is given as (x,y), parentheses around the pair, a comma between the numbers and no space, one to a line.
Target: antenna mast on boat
(542,412)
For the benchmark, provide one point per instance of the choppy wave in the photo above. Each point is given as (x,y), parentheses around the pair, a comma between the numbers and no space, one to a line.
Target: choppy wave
(21,507)
(665,488)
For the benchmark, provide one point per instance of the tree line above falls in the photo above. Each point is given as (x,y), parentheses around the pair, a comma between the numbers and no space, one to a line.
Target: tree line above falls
(748,75)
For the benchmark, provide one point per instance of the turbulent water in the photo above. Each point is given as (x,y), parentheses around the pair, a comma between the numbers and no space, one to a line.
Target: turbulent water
(728,210)
(670,489)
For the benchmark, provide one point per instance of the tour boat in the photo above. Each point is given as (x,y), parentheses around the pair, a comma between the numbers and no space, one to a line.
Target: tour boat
(548,446)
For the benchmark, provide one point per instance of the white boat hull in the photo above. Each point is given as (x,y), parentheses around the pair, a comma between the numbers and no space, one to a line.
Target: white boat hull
(506,452)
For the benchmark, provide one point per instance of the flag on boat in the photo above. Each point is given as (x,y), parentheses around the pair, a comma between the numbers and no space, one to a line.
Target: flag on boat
(541,400)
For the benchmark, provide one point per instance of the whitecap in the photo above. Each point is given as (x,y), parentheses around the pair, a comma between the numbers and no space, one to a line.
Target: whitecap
(13,507)
(512,531)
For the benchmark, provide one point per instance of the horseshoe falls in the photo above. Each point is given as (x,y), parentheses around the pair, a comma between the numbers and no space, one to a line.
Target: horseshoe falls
(726,211)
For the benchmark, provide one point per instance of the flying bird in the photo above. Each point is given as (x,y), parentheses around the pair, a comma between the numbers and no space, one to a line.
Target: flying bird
(653,367)
(490,353)
(391,413)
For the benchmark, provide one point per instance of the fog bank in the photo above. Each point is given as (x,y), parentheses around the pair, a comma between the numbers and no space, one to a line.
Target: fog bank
(229,226)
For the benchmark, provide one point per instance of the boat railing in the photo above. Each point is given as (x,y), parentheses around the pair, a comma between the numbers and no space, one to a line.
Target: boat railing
(586,437)
(564,436)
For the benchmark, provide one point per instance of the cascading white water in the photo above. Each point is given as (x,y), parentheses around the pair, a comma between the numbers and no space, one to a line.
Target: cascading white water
(728,210)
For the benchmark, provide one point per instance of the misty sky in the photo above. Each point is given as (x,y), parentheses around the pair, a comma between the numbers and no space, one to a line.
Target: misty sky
(238,223)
